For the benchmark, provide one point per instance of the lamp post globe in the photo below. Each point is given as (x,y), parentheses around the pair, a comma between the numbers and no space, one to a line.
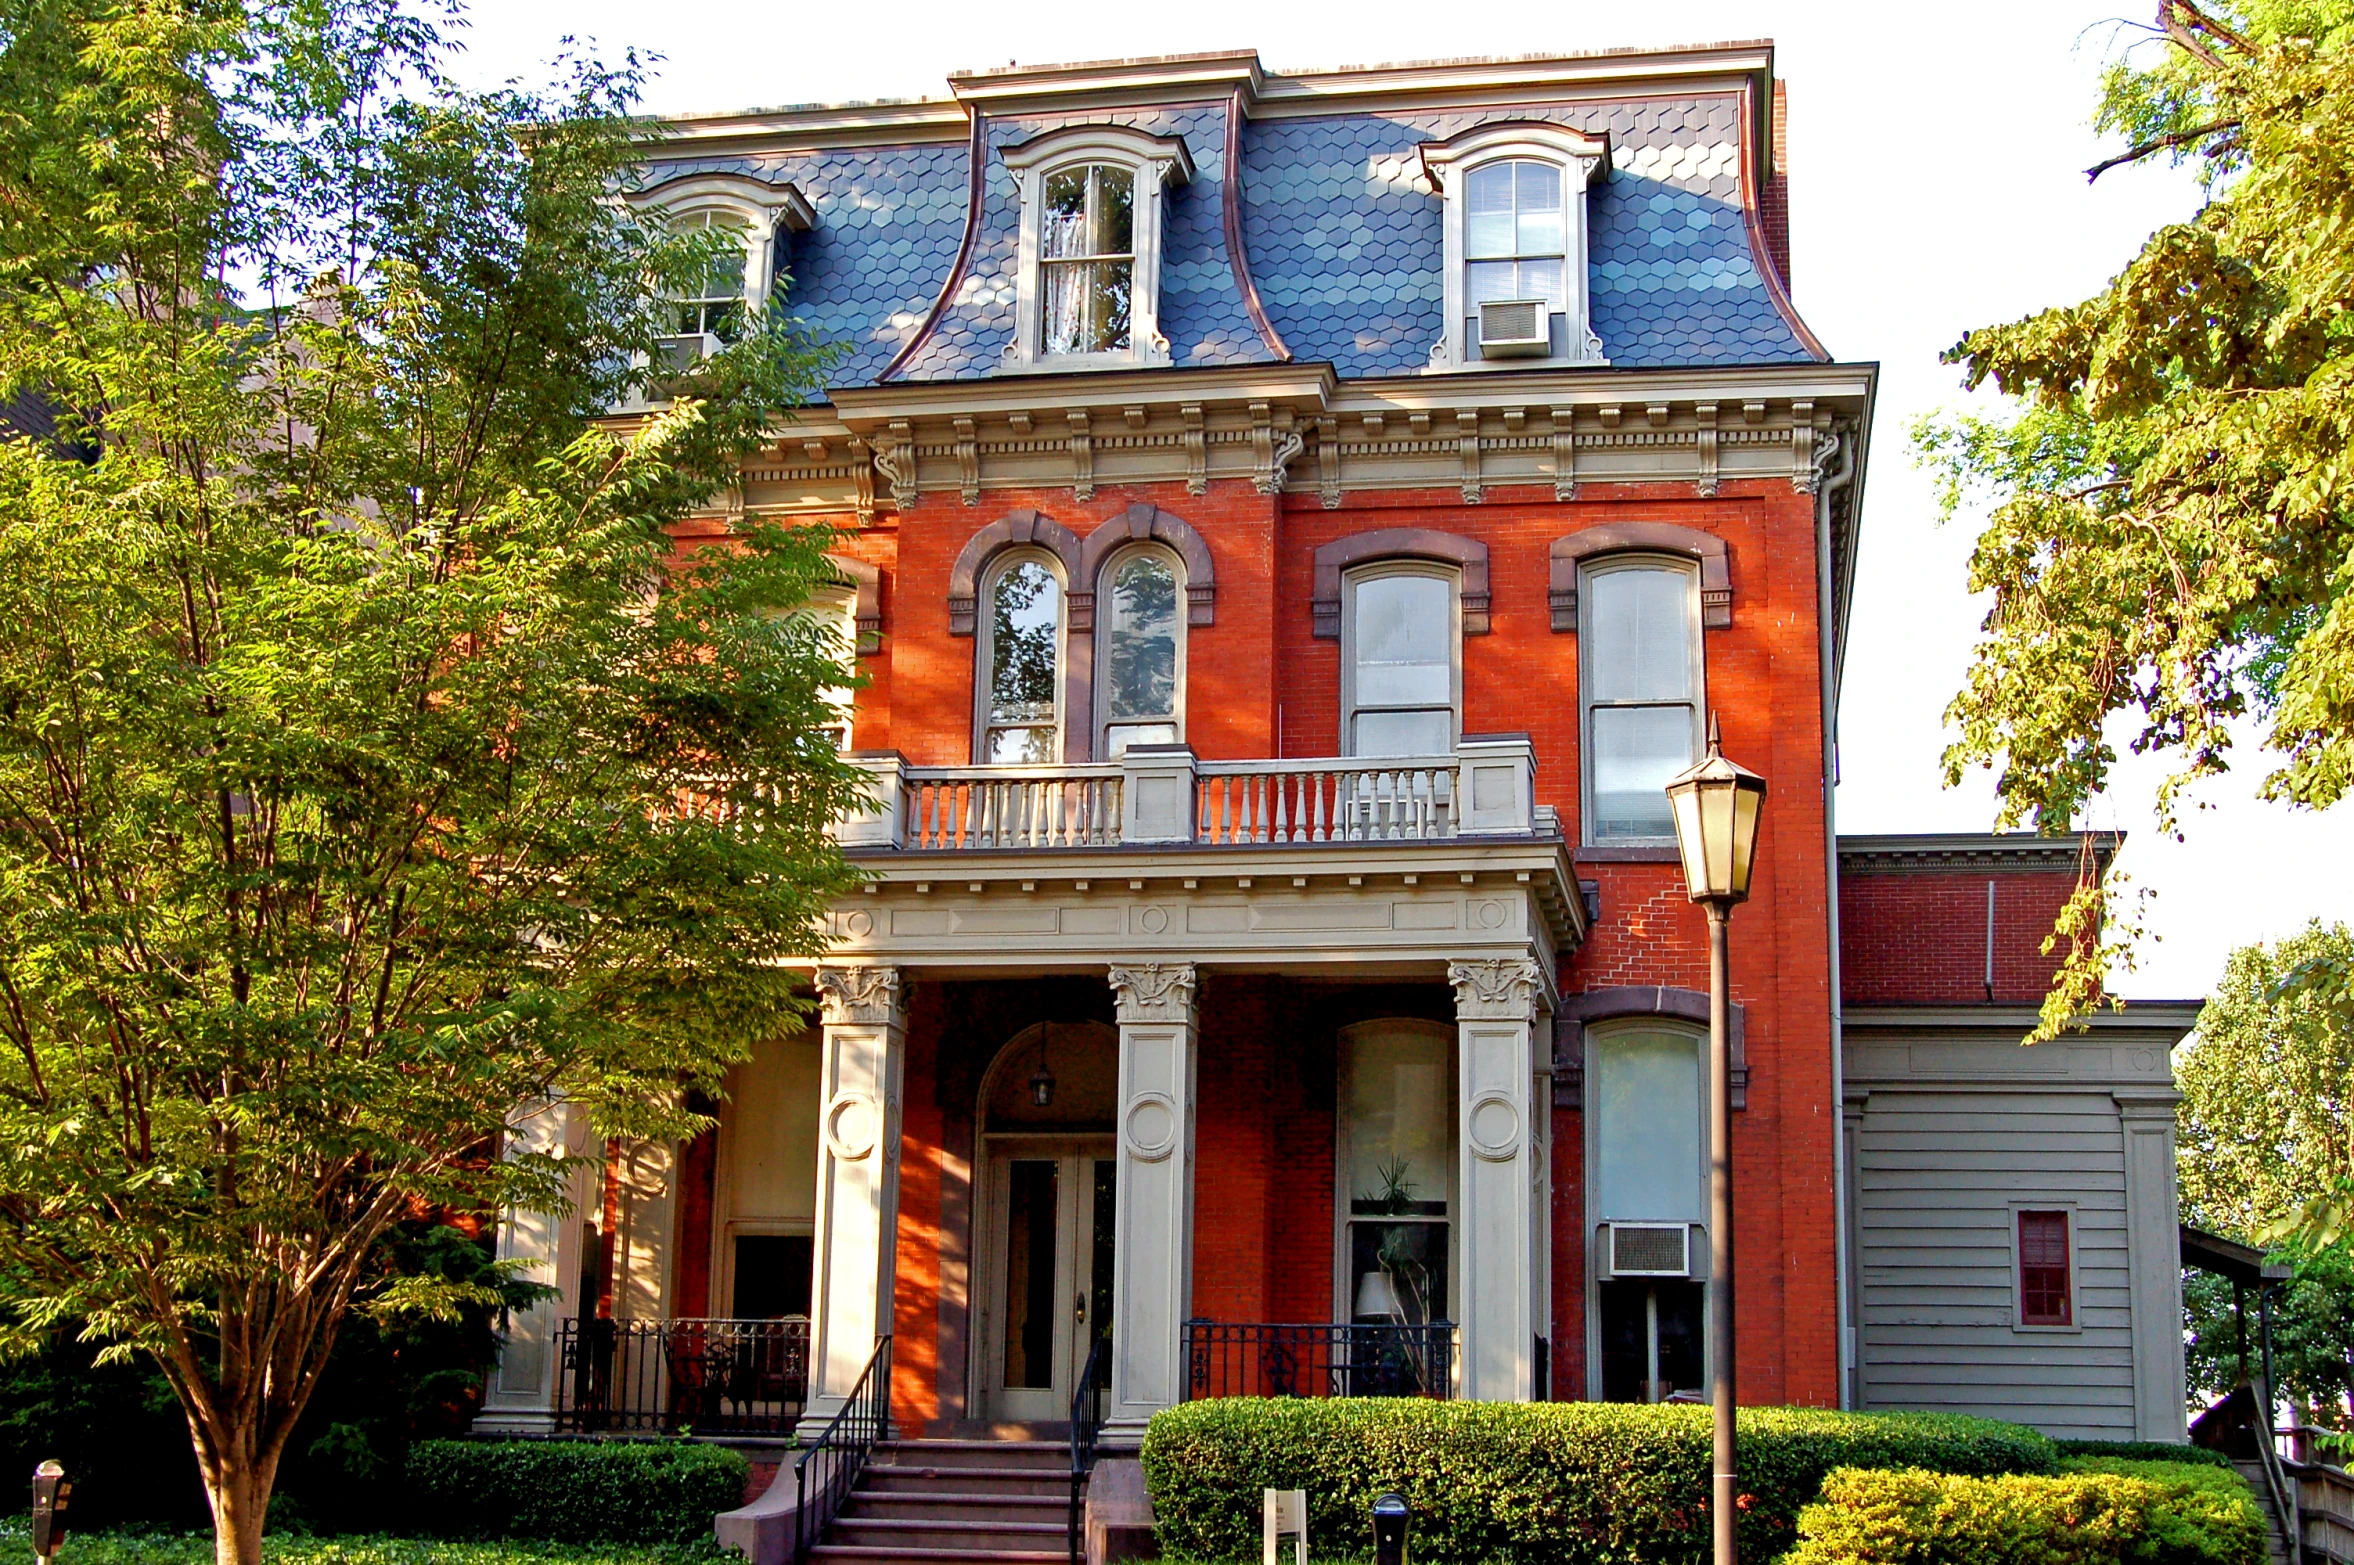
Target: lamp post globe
(1717,806)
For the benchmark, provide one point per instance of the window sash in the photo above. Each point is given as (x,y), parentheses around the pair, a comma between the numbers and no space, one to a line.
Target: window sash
(1641,672)
(2044,1282)
(1020,655)
(1405,655)
(1086,259)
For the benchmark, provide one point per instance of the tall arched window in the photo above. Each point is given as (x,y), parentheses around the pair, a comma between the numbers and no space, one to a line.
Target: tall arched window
(1639,661)
(1140,652)
(1399,663)
(1021,659)
(1087,259)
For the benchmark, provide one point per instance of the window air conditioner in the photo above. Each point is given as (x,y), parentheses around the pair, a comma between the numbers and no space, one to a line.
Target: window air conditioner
(1515,329)
(1650,1250)
(682,352)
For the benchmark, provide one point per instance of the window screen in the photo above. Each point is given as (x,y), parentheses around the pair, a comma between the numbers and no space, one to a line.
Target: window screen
(2043,1270)
(1640,657)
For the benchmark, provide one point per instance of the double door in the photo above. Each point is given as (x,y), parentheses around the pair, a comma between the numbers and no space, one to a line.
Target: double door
(1048,1290)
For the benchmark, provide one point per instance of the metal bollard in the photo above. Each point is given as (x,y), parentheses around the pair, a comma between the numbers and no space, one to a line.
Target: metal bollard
(1391,1520)
(50,1492)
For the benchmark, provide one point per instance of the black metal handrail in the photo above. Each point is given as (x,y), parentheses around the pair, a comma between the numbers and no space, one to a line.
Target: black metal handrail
(707,1377)
(839,1452)
(1086,1426)
(1262,1359)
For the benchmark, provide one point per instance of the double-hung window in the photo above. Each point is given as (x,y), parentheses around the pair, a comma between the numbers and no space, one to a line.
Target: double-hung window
(1021,659)
(1514,234)
(2045,1294)
(1400,661)
(719,306)
(1639,658)
(1086,259)
(1647,1141)
(1140,656)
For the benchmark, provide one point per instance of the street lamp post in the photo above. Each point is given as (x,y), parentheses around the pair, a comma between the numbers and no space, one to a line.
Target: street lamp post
(1716,807)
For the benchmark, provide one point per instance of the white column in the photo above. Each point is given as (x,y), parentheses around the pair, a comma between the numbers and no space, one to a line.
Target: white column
(2153,1254)
(521,1396)
(1495,1021)
(860,1059)
(1152,1243)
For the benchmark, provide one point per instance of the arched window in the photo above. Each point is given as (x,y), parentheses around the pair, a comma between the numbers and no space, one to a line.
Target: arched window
(1399,660)
(1515,235)
(1086,259)
(720,304)
(1140,651)
(1639,663)
(1021,659)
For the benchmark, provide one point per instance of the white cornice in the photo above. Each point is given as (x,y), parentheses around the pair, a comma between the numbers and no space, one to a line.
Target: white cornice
(1109,83)
(863,407)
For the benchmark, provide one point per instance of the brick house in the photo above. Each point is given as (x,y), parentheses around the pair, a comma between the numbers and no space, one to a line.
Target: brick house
(1291,525)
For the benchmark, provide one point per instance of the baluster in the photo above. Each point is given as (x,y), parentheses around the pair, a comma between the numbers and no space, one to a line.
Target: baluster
(1225,809)
(1281,782)
(1267,785)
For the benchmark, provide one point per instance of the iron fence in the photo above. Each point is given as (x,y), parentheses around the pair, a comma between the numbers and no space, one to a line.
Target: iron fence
(705,1377)
(1258,1359)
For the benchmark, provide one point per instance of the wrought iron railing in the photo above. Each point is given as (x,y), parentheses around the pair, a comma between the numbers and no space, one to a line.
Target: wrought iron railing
(705,1377)
(1255,1359)
(829,1465)
(1086,1426)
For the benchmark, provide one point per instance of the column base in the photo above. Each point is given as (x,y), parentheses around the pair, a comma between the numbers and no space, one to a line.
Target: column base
(815,1416)
(1122,1434)
(514,1423)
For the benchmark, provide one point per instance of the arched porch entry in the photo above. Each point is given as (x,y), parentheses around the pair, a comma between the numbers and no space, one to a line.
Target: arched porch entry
(1046,1200)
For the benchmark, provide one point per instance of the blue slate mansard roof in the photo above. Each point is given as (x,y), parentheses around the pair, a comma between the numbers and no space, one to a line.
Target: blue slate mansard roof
(1342,238)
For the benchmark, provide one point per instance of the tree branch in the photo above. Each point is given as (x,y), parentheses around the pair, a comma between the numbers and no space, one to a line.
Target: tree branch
(2177,138)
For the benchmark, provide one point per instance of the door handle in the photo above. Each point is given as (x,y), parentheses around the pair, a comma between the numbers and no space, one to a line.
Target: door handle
(1079,1309)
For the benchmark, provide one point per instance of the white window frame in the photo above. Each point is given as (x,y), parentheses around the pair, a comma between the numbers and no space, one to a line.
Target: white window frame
(2068,1210)
(985,643)
(1344,1297)
(1155,162)
(1597,1037)
(1372,571)
(1588,571)
(1105,606)
(837,607)
(1580,158)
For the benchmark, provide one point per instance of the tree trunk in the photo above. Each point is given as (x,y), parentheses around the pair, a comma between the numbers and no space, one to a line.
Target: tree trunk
(240,1498)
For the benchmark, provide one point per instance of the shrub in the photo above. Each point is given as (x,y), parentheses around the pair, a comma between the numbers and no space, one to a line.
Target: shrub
(196,1548)
(2144,1451)
(1562,1483)
(570,1491)
(2100,1511)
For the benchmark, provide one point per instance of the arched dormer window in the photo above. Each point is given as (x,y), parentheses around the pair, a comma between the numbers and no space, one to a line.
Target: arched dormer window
(762,217)
(1516,288)
(1021,632)
(1089,284)
(1140,657)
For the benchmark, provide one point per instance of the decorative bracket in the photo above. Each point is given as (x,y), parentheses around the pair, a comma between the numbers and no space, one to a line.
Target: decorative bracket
(1197,451)
(968,461)
(1467,448)
(1082,456)
(895,460)
(1328,460)
(1706,413)
(1565,454)
(1802,447)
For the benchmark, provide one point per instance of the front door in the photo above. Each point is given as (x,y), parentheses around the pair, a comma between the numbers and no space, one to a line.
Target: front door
(1049,1292)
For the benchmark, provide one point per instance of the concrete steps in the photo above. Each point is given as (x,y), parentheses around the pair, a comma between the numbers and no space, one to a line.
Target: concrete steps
(957,1502)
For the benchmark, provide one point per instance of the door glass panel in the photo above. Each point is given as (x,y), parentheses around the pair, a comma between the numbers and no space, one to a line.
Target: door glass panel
(1031,1203)
(772,1276)
(1406,733)
(1651,1339)
(1099,1288)
(1140,659)
(1400,1139)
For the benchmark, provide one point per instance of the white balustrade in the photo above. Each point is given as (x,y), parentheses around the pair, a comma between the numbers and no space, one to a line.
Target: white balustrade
(1012,807)
(1328,801)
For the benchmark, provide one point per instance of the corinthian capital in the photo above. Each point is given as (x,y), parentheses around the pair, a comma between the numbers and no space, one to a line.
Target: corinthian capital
(1154,992)
(1497,989)
(860,996)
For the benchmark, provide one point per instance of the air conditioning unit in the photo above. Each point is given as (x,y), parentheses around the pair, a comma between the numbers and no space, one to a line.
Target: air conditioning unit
(681,353)
(1515,329)
(1648,1249)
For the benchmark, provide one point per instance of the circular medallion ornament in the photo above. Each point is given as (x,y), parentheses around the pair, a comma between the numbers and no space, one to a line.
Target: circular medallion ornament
(1494,1127)
(858,923)
(1153,920)
(1151,1127)
(850,1125)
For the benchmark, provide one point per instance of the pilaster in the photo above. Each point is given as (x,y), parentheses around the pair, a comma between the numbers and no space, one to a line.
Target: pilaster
(521,1396)
(1496,1002)
(1153,1232)
(2153,1254)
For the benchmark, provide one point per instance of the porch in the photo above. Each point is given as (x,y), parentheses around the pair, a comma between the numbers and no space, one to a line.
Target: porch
(1243,1068)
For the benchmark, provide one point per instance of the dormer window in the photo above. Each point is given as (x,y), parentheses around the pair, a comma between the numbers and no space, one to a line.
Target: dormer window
(1516,289)
(1089,289)
(720,307)
(761,218)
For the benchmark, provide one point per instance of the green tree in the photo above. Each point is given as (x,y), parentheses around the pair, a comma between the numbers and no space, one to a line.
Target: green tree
(2171,541)
(372,765)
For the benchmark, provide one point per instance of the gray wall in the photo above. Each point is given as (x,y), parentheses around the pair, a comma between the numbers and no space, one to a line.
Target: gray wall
(1952,1128)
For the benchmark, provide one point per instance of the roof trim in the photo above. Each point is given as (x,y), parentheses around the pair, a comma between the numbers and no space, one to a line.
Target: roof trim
(976,187)
(1962,852)
(2236,1263)
(2174,1018)
(1230,219)
(1754,225)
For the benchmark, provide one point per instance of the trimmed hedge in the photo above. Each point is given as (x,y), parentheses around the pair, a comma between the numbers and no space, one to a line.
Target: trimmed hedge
(1560,1483)
(2098,1511)
(2144,1451)
(196,1548)
(571,1491)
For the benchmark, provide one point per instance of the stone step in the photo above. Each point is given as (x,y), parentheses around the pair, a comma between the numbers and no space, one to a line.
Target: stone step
(956,1506)
(918,1533)
(1046,1455)
(848,1552)
(908,1478)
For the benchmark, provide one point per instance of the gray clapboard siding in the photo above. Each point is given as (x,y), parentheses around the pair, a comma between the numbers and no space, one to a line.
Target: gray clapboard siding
(1952,1128)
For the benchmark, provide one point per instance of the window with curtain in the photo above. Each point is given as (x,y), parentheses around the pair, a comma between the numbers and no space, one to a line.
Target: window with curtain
(2043,1270)
(1086,259)
(1021,653)
(1515,235)
(1639,655)
(1398,1159)
(1399,641)
(719,306)
(1141,652)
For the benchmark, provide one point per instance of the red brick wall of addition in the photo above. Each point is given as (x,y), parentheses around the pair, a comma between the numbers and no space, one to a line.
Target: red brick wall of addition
(1922,939)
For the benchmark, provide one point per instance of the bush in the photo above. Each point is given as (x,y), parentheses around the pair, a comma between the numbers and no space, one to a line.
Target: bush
(2144,1451)
(2099,1511)
(196,1548)
(570,1491)
(1561,1483)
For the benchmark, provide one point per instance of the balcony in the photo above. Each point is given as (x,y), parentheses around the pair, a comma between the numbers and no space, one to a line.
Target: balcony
(1163,796)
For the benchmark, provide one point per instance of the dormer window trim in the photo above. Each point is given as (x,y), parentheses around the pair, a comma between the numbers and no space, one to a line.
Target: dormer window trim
(1448,165)
(762,212)
(1153,163)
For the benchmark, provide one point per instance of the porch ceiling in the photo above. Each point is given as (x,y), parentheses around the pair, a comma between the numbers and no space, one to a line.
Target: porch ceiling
(1403,908)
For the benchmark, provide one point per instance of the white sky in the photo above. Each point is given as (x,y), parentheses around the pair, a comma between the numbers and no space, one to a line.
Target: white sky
(1936,185)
